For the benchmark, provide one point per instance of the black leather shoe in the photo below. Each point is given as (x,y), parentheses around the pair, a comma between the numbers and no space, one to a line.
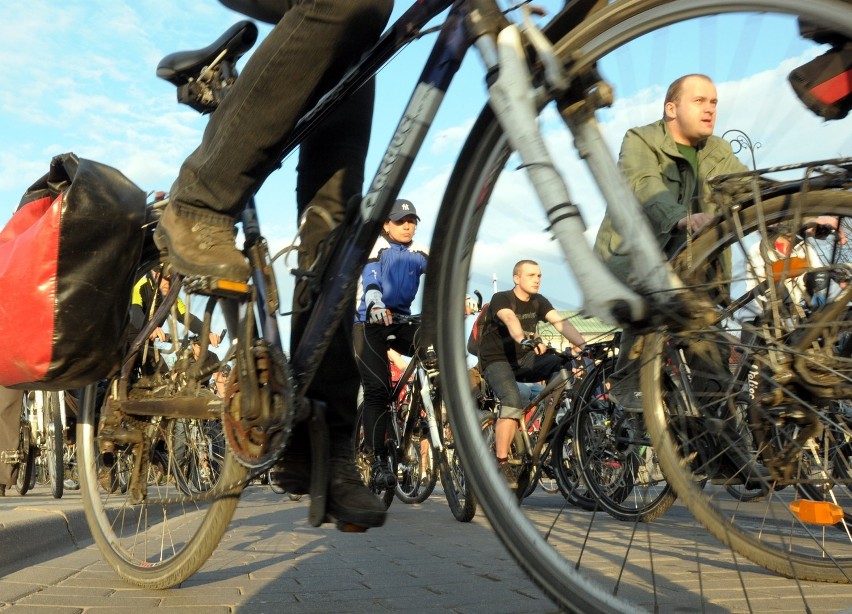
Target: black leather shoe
(202,248)
(349,501)
(293,474)
(382,475)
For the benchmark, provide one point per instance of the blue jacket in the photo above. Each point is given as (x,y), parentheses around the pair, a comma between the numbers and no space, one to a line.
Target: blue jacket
(392,274)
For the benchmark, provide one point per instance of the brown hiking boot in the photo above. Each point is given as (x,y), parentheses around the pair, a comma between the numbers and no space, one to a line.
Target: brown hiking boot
(202,246)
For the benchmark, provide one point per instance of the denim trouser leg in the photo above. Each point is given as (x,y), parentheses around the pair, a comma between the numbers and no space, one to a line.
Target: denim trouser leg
(501,377)
(307,51)
(304,55)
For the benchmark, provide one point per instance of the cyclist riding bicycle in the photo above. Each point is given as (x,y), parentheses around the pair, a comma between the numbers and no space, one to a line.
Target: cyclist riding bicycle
(387,287)
(310,48)
(510,352)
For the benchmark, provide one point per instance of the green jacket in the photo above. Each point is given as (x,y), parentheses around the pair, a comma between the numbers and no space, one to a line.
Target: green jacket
(664,183)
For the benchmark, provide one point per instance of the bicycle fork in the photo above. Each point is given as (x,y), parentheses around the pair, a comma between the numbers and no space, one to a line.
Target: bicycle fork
(426,396)
(515,103)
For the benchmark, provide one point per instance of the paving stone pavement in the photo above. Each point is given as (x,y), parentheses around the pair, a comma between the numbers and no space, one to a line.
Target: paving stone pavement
(272,560)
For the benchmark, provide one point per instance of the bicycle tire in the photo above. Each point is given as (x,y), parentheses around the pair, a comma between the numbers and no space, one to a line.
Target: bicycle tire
(121,529)
(26,446)
(457,490)
(470,192)
(569,477)
(54,444)
(618,467)
(781,541)
(416,482)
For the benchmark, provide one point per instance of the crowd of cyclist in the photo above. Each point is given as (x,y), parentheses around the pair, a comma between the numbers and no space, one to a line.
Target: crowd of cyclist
(510,351)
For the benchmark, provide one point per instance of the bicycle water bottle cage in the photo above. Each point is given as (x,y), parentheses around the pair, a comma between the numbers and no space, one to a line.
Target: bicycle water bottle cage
(203,76)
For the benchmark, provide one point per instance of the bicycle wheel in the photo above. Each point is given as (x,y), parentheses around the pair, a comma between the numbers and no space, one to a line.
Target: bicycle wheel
(569,477)
(54,443)
(487,203)
(615,456)
(161,540)
(796,427)
(27,450)
(416,474)
(457,489)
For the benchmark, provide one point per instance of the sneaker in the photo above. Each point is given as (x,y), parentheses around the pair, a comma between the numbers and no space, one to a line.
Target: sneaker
(349,501)
(509,471)
(70,484)
(204,248)
(382,475)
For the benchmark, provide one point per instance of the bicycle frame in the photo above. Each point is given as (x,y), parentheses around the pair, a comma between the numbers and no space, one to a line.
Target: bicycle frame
(422,387)
(552,393)
(480,23)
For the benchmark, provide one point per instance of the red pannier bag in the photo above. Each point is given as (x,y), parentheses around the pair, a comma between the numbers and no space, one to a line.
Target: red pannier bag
(68,260)
(825,83)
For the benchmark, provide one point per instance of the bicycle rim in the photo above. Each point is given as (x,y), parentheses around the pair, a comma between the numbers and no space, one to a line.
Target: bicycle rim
(561,548)
(798,470)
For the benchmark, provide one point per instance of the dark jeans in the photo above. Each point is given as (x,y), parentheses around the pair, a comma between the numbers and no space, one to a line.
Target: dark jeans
(503,379)
(371,352)
(10,429)
(311,46)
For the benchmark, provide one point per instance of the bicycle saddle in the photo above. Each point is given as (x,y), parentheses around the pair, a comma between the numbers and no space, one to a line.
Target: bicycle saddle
(182,66)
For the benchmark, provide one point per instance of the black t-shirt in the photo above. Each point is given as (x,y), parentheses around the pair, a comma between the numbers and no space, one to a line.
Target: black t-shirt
(497,345)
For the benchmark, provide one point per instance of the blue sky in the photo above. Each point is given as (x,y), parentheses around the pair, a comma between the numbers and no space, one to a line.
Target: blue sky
(79,75)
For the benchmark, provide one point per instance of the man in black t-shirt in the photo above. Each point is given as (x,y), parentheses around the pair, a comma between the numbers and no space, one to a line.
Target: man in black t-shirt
(510,351)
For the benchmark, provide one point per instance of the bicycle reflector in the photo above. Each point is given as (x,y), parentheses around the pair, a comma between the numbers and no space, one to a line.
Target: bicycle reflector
(787,268)
(816,512)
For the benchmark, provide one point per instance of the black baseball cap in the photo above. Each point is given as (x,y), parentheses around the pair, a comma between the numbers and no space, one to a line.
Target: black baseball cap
(402,208)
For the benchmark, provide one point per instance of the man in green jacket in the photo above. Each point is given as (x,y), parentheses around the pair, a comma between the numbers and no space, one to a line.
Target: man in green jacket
(667,164)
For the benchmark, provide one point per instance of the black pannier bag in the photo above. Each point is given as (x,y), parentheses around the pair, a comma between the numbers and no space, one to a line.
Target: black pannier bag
(68,261)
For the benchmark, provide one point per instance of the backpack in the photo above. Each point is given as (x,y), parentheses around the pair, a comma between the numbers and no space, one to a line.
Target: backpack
(483,319)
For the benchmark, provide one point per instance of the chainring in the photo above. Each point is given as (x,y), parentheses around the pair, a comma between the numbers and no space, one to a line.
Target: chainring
(258,435)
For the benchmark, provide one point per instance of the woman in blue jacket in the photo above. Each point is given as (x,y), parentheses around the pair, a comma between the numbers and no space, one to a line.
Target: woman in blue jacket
(386,289)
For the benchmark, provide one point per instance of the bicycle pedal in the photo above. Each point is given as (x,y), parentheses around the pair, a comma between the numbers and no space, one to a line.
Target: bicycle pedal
(350,527)
(213,286)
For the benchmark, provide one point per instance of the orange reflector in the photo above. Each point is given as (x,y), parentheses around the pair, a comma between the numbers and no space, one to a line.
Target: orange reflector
(237,287)
(789,267)
(816,512)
